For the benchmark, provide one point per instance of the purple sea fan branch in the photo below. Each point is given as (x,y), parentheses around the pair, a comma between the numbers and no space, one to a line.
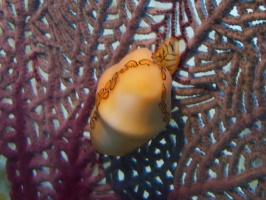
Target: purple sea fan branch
(126,38)
(201,170)
(25,186)
(224,140)
(214,185)
(246,120)
(37,107)
(204,28)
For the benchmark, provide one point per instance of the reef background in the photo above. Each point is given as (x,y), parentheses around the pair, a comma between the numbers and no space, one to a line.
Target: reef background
(53,52)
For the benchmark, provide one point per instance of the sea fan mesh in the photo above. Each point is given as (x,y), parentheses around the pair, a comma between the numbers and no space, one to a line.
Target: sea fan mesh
(53,52)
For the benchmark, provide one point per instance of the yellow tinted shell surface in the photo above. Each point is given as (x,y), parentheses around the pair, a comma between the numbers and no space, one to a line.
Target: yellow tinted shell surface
(168,54)
(133,102)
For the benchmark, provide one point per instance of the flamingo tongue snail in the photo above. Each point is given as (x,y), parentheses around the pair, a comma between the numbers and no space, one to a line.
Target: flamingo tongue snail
(133,99)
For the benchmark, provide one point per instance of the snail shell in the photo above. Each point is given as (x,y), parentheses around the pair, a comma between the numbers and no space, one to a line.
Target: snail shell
(133,101)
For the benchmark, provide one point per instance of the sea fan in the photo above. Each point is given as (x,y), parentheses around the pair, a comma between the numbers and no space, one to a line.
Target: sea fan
(53,52)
